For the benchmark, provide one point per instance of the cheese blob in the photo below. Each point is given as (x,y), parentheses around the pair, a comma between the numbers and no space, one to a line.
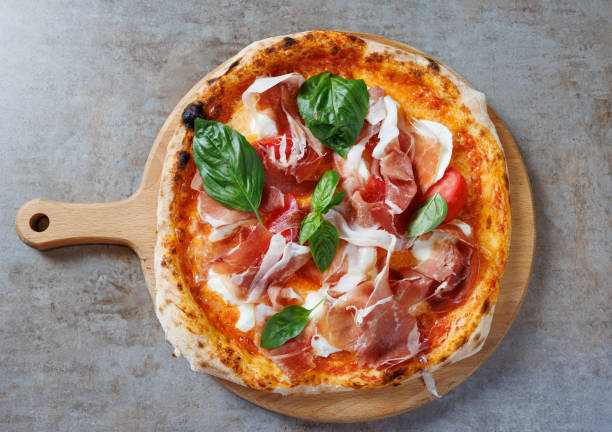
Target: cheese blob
(246,320)
(322,347)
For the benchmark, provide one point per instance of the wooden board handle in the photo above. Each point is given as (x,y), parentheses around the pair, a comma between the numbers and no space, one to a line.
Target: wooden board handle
(45,224)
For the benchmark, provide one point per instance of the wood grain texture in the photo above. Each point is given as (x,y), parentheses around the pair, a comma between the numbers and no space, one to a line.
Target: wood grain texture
(132,222)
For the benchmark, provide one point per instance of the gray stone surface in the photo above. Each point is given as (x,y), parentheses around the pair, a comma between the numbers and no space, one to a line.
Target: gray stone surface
(84,88)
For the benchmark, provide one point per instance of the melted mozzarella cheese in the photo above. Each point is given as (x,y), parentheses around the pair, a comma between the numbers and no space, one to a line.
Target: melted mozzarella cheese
(360,261)
(467,230)
(247,317)
(216,283)
(359,236)
(311,301)
(444,137)
(262,312)
(388,129)
(421,249)
(261,123)
(246,320)
(322,347)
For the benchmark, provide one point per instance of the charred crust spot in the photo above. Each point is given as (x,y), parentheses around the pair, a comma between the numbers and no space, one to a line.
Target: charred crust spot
(390,376)
(288,42)
(485,306)
(417,73)
(269,50)
(443,359)
(232,66)
(183,158)
(191,112)
(212,81)
(164,263)
(203,365)
(433,65)
(357,40)
(489,221)
(334,49)
(309,37)
(464,340)
(179,287)
(375,58)
(200,345)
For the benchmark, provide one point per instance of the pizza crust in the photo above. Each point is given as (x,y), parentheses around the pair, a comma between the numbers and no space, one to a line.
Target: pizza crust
(208,350)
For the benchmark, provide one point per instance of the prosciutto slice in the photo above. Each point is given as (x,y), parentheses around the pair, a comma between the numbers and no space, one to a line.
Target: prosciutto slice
(453,265)
(212,212)
(386,335)
(246,254)
(283,296)
(388,186)
(294,357)
(272,103)
(272,199)
(287,219)
(433,147)
(278,264)
(412,288)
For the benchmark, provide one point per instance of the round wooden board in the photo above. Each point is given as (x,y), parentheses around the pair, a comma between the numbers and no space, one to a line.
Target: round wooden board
(69,224)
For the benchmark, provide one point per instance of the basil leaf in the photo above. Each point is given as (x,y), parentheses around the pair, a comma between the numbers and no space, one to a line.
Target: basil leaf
(429,216)
(309,225)
(231,171)
(337,199)
(323,244)
(334,109)
(322,235)
(323,192)
(285,325)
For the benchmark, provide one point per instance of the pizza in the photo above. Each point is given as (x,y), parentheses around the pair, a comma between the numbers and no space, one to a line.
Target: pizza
(333,215)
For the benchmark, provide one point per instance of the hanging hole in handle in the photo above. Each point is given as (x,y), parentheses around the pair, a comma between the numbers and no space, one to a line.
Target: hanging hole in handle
(39,222)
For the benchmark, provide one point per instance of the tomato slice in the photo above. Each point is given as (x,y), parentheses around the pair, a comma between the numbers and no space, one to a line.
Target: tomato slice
(453,188)
(275,143)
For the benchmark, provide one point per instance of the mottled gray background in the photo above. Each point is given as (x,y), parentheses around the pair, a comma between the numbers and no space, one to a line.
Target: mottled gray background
(84,88)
